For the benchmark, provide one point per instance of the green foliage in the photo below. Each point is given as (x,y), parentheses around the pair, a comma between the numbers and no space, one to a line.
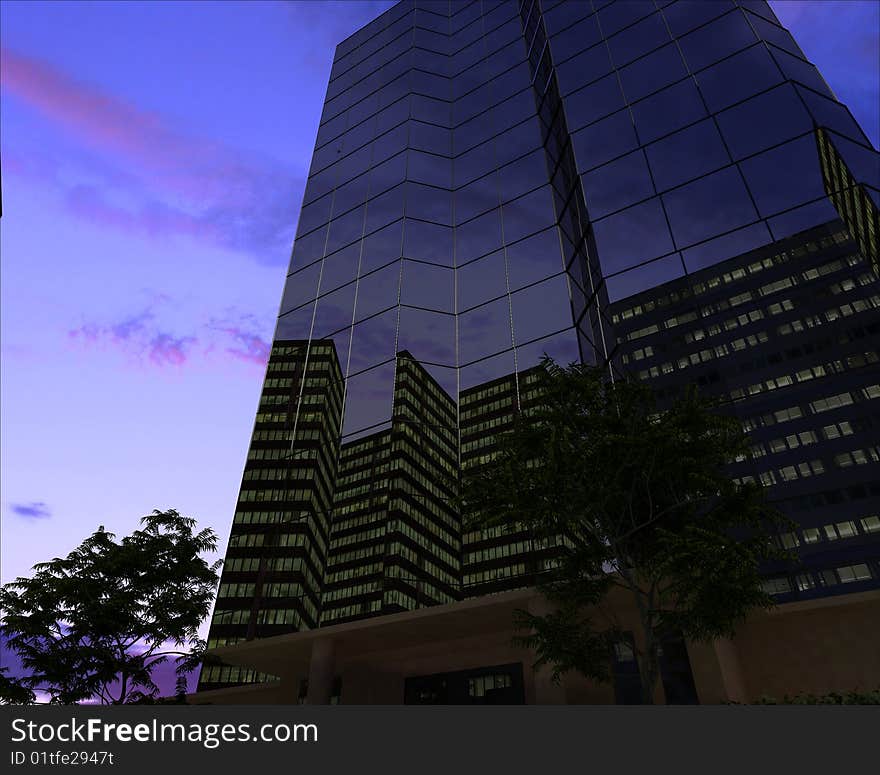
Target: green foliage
(643,501)
(97,622)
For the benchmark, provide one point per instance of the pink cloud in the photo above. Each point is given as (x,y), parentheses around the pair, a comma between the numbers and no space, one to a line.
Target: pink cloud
(192,166)
(168,350)
(139,337)
(174,183)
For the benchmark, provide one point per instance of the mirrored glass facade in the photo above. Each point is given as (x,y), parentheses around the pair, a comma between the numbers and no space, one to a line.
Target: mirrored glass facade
(662,188)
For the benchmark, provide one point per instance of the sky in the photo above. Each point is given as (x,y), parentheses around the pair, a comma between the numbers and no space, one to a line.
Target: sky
(153,161)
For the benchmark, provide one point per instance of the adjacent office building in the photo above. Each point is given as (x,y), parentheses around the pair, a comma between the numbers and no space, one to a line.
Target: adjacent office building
(666,189)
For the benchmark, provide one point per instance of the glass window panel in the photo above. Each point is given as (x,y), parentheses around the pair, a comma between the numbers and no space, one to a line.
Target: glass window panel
(687,154)
(427,137)
(541,309)
(468,80)
(616,16)
(373,341)
(784,177)
(513,110)
(475,131)
(644,277)
(799,70)
(428,336)
(387,174)
(478,237)
(433,41)
(564,15)
(430,169)
(517,141)
(397,89)
(504,59)
(652,72)
(632,237)
(716,40)
(534,258)
(296,324)
(775,35)
(474,164)
(831,114)
(617,184)
(428,203)
(314,215)
(368,398)
(384,209)
(301,287)
(593,102)
(562,347)
(486,370)
(320,184)
(476,197)
(742,75)
(481,280)
(340,267)
(863,163)
(330,129)
(431,110)
(428,286)
(727,246)
(709,206)
(381,247)
(484,331)
(430,84)
(334,311)
(351,194)
(574,39)
(378,291)
(668,110)
(604,140)
(308,248)
(528,214)
(635,41)
(345,229)
(389,144)
(354,163)
(763,121)
(801,218)
(524,174)
(428,242)
(584,68)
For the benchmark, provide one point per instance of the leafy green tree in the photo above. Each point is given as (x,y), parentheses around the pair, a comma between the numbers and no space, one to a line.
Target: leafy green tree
(96,623)
(643,501)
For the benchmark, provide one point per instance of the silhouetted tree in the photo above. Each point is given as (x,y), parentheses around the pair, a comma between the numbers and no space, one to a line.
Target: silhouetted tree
(96,623)
(644,501)
(13,691)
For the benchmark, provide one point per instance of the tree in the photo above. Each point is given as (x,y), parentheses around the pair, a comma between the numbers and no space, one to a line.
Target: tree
(13,691)
(642,500)
(95,624)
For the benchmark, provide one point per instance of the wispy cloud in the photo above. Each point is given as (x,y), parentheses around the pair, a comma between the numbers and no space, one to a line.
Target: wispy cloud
(138,336)
(154,179)
(248,346)
(148,340)
(32,510)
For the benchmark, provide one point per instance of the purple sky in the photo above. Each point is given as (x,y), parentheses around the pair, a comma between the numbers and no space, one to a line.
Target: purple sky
(153,160)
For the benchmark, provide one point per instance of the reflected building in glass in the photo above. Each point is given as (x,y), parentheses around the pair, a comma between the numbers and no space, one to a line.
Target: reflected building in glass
(634,184)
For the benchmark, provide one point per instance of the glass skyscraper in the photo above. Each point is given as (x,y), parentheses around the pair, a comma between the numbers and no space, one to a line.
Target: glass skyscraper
(666,189)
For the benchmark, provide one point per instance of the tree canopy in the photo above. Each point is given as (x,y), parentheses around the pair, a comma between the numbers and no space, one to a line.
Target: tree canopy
(96,623)
(641,499)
